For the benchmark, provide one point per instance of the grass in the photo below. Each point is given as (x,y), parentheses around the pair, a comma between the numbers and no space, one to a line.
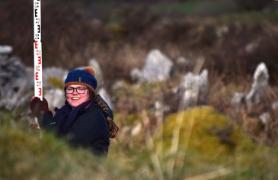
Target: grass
(250,18)
(185,7)
(194,7)
(208,142)
(199,153)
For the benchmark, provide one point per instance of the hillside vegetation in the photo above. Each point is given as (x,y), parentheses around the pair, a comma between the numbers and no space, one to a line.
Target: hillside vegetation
(216,147)
(158,138)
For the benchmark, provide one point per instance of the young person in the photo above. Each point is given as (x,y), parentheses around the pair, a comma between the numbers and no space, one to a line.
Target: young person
(85,120)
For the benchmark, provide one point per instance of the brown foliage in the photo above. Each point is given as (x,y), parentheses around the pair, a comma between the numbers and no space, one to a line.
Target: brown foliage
(65,31)
(71,36)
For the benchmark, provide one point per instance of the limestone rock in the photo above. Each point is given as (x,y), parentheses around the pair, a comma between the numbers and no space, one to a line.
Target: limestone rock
(157,68)
(5,49)
(193,89)
(54,77)
(103,93)
(55,98)
(259,86)
(14,80)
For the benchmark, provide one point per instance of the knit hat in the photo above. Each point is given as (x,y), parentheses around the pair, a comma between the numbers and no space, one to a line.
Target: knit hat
(84,76)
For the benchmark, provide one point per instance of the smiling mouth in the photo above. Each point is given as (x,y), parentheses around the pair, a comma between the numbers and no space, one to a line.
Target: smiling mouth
(75,98)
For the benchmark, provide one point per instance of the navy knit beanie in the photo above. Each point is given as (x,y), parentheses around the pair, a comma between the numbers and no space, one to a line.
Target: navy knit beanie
(84,76)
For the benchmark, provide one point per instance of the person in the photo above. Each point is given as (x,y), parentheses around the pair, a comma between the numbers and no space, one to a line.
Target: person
(85,120)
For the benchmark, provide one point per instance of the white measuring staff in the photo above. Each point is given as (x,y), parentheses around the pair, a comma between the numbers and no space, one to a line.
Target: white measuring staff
(37,46)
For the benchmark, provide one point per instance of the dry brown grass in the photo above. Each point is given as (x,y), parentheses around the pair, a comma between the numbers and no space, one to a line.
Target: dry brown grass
(121,40)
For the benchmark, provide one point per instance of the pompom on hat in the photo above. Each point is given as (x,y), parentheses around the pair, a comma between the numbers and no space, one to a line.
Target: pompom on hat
(83,76)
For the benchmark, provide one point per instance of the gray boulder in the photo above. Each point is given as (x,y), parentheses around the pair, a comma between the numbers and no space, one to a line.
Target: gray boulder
(257,93)
(259,86)
(238,99)
(193,90)
(274,106)
(5,50)
(184,65)
(157,68)
(256,103)
(103,93)
(14,81)
(55,98)
(54,77)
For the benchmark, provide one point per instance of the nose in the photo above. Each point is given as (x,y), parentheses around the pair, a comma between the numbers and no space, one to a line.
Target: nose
(74,91)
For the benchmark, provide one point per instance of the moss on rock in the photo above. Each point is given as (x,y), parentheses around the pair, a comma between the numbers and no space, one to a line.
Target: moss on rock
(205,132)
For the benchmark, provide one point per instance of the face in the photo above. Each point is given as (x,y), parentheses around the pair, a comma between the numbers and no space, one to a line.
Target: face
(77,94)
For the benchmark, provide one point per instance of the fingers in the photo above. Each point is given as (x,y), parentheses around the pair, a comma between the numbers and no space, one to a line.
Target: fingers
(44,100)
(35,106)
(34,102)
(35,99)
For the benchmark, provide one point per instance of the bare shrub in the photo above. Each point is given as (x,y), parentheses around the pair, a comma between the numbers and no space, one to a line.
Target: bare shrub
(252,4)
(65,31)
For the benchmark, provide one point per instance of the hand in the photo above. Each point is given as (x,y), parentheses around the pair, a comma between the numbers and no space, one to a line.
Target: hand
(38,107)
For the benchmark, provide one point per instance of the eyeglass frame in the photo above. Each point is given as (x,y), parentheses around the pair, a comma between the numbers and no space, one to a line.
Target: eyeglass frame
(76,89)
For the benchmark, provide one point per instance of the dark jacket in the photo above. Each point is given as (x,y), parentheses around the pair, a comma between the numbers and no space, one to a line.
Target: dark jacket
(84,126)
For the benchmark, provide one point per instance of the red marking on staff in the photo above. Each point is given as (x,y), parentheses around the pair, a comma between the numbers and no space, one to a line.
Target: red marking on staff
(40,91)
(37,75)
(36,44)
(39,60)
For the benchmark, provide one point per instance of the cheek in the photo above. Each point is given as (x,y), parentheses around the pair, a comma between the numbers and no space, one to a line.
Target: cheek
(68,96)
(84,97)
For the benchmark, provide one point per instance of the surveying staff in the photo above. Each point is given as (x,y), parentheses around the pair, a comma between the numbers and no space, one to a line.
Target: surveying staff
(85,120)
